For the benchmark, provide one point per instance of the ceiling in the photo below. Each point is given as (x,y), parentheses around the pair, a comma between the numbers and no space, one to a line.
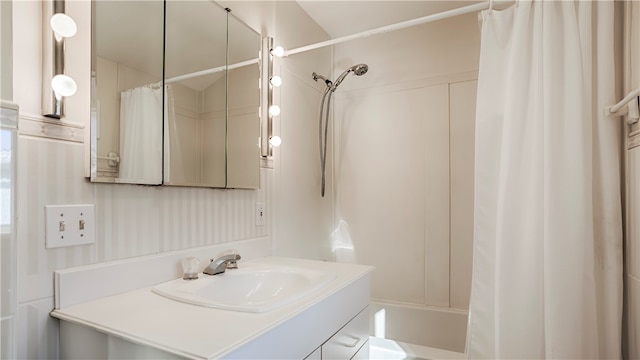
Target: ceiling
(345,17)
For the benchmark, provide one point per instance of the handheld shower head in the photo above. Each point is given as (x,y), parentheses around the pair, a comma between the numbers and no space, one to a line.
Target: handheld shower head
(359,70)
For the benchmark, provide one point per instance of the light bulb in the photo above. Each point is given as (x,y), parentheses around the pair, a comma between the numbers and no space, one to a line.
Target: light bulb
(276,80)
(277,51)
(63,25)
(275,141)
(274,110)
(63,85)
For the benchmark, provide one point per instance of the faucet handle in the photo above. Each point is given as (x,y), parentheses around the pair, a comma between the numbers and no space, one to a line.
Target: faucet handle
(233,264)
(190,268)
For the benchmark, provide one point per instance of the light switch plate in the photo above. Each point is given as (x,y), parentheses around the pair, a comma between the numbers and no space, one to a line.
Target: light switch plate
(69,225)
(260,215)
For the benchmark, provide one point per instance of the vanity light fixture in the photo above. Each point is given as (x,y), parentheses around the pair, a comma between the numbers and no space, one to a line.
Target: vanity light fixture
(268,140)
(57,26)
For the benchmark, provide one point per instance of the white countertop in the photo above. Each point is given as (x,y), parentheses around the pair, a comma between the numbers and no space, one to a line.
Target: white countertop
(145,318)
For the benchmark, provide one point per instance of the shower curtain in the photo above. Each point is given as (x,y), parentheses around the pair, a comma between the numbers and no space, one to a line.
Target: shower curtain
(141,135)
(547,258)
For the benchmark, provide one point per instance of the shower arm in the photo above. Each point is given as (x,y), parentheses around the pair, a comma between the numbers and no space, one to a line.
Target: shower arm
(326,81)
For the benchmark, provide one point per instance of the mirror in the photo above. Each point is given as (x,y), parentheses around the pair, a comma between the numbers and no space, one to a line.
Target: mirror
(126,139)
(243,106)
(196,34)
(209,136)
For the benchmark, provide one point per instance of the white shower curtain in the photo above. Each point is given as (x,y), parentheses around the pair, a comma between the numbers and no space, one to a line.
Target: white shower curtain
(141,135)
(547,261)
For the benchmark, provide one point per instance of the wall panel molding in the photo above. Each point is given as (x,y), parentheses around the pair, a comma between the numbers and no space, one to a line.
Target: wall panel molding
(40,126)
(634,141)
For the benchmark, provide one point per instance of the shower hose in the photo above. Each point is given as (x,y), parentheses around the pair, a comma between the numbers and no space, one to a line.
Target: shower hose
(324,128)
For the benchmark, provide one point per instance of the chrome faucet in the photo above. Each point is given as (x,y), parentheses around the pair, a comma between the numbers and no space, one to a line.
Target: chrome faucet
(218,266)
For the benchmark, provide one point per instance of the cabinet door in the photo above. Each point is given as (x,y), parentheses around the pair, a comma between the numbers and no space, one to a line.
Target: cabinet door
(363,353)
(348,340)
(316,355)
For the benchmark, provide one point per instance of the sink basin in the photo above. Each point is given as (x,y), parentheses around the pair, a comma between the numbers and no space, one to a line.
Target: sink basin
(254,287)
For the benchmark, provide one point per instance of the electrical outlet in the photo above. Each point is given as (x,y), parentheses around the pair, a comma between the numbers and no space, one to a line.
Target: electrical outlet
(69,225)
(260,215)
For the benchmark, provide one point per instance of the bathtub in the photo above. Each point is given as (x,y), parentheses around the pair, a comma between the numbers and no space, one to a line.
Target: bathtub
(402,331)
(385,349)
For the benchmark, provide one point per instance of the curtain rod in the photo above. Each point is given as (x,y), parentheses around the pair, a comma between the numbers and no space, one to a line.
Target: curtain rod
(397,26)
(384,29)
(211,71)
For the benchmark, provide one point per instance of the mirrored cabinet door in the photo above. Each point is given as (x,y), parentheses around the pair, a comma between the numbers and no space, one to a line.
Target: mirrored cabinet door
(196,78)
(243,118)
(127,96)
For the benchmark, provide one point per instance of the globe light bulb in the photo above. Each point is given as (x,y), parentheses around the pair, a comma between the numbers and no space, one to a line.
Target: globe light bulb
(63,85)
(276,80)
(277,51)
(63,25)
(274,110)
(275,141)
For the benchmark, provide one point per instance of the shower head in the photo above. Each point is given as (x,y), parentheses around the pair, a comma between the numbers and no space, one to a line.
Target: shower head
(359,70)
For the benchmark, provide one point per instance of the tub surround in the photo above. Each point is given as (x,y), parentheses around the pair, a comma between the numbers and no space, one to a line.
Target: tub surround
(145,320)
(427,326)
(382,349)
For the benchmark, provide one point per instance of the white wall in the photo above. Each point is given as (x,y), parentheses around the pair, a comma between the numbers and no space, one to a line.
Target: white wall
(304,219)
(6,43)
(404,162)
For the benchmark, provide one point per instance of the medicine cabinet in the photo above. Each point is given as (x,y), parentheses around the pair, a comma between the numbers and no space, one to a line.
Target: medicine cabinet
(175,95)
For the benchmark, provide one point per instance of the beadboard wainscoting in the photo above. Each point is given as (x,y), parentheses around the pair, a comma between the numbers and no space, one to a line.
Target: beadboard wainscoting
(131,221)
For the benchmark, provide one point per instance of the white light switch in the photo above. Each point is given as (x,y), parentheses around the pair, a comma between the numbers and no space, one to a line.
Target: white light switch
(260,215)
(69,225)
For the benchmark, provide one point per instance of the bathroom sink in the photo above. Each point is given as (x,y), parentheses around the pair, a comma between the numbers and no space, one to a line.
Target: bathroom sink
(254,287)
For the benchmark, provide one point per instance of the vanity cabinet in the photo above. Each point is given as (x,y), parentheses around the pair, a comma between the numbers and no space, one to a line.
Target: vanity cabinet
(349,340)
(363,353)
(80,342)
(315,355)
